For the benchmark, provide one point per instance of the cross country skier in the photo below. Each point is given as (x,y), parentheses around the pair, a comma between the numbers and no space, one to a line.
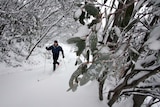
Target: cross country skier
(55,51)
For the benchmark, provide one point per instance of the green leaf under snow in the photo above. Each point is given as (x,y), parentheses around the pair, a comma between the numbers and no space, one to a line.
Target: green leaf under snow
(94,70)
(73,88)
(73,82)
(80,43)
(85,79)
(73,40)
(81,46)
(102,57)
(91,9)
(93,42)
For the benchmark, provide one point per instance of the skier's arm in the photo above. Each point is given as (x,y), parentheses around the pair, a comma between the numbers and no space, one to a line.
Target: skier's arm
(62,52)
(49,48)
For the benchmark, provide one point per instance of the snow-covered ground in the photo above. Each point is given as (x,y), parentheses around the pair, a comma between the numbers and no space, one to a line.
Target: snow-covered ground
(35,85)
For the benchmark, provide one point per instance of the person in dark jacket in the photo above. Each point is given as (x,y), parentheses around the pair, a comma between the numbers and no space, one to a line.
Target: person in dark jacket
(55,51)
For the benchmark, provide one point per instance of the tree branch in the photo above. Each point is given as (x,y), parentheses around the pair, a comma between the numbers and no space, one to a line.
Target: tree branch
(142,92)
(45,34)
(50,14)
(117,91)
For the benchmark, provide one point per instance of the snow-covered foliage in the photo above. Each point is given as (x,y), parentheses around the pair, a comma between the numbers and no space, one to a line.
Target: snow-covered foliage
(124,42)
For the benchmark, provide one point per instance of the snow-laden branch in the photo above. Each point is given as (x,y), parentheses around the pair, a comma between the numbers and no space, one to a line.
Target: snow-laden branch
(152,68)
(143,92)
(25,4)
(45,34)
(150,86)
(50,14)
(124,85)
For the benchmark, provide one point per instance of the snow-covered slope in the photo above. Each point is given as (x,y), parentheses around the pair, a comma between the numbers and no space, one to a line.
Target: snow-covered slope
(35,85)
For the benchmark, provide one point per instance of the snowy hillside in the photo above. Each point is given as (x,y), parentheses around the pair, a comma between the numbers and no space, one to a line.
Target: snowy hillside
(20,86)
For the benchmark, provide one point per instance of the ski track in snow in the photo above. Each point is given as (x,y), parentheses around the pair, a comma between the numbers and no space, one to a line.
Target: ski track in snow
(21,88)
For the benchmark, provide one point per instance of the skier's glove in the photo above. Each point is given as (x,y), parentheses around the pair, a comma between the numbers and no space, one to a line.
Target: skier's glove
(63,56)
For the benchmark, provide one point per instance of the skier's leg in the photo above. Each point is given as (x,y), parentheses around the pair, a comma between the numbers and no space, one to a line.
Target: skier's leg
(57,60)
(54,64)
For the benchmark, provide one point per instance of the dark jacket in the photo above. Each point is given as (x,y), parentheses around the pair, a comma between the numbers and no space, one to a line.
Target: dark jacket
(55,50)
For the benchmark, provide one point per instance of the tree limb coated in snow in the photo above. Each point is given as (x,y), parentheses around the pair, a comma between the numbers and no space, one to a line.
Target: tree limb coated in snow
(45,34)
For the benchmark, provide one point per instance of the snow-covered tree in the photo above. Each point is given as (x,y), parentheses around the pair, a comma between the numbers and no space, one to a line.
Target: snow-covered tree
(120,41)
(25,23)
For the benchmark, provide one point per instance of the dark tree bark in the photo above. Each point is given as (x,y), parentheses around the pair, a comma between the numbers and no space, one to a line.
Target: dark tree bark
(101,84)
(138,100)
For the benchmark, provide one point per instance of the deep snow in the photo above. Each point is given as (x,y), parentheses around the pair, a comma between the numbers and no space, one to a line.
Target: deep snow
(20,86)
(35,85)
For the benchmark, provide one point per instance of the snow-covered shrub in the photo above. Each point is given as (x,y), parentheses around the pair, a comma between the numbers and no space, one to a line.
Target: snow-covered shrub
(123,38)
(25,23)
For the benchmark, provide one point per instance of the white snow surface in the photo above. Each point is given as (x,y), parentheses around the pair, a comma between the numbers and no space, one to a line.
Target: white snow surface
(20,86)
